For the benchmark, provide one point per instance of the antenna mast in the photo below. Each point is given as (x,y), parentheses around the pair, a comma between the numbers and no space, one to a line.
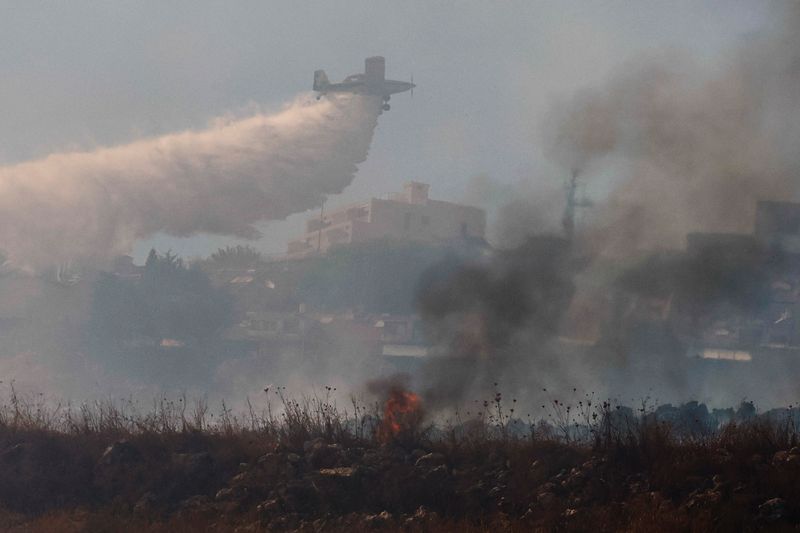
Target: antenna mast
(568,221)
(321,222)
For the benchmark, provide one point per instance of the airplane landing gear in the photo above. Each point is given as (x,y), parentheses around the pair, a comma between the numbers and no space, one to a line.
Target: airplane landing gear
(386,107)
(319,96)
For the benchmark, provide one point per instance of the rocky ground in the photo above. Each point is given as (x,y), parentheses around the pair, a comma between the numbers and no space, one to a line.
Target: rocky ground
(745,477)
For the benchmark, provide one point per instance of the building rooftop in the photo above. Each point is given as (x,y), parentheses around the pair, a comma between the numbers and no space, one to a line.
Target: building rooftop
(409,215)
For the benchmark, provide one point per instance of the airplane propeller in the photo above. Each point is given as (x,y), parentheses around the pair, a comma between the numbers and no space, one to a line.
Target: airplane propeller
(412,86)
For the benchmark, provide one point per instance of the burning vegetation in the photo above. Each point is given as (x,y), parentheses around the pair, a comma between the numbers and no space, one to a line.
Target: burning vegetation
(402,415)
(317,467)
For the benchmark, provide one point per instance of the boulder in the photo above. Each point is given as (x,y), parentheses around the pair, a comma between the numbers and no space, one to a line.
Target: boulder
(382,520)
(319,454)
(772,510)
(339,472)
(194,465)
(276,465)
(119,453)
(430,460)
(146,505)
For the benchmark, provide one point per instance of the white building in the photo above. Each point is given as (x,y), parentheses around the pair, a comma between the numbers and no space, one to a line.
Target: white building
(409,216)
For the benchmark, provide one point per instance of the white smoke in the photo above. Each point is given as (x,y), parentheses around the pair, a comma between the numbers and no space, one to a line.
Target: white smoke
(91,206)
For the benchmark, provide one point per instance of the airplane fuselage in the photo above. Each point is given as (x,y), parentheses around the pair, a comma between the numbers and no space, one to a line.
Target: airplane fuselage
(371,82)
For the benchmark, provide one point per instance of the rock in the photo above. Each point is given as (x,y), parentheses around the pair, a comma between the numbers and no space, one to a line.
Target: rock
(285,522)
(436,479)
(277,466)
(119,453)
(473,494)
(430,460)
(228,494)
(293,458)
(198,502)
(546,498)
(548,487)
(505,505)
(502,476)
(146,504)
(113,471)
(421,518)
(372,458)
(378,521)
(590,464)
(269,508)
(300,495)
(720,485)
(13,453)
(254,527)
(780,457)
(342,471)
(240,479)
(496,491)
(703,499)
(269,459)
(307,445)
(354,455)
(772,510)
(194,465)
(339,488)
(323,455)
(722,456)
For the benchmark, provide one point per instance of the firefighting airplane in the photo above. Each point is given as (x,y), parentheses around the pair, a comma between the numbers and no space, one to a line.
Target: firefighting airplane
(372,81)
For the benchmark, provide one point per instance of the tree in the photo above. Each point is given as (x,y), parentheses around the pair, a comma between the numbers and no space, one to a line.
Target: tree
(169,300)
(236,257)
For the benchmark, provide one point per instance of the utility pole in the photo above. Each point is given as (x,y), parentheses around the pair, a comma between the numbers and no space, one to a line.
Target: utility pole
(321,222)
(568,221)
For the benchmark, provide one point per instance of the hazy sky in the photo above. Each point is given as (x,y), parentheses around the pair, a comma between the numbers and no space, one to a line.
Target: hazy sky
(76,75)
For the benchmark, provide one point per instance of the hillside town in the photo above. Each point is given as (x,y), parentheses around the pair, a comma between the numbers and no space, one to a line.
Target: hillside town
(348,289)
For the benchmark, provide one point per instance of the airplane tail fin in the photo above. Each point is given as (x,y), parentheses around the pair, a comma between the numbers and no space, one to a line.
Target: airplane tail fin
(375,69)
(320,80)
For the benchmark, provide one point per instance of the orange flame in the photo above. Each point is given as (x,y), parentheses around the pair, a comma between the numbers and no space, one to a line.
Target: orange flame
(402,413)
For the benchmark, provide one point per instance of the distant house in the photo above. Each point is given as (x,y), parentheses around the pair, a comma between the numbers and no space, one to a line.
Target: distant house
(272,326)
(402,336)
(778,225)
(410,216)
(124,268)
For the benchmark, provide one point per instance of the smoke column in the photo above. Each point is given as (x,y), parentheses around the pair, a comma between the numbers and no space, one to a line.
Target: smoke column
(693,147)
(90,206)
(682,147)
